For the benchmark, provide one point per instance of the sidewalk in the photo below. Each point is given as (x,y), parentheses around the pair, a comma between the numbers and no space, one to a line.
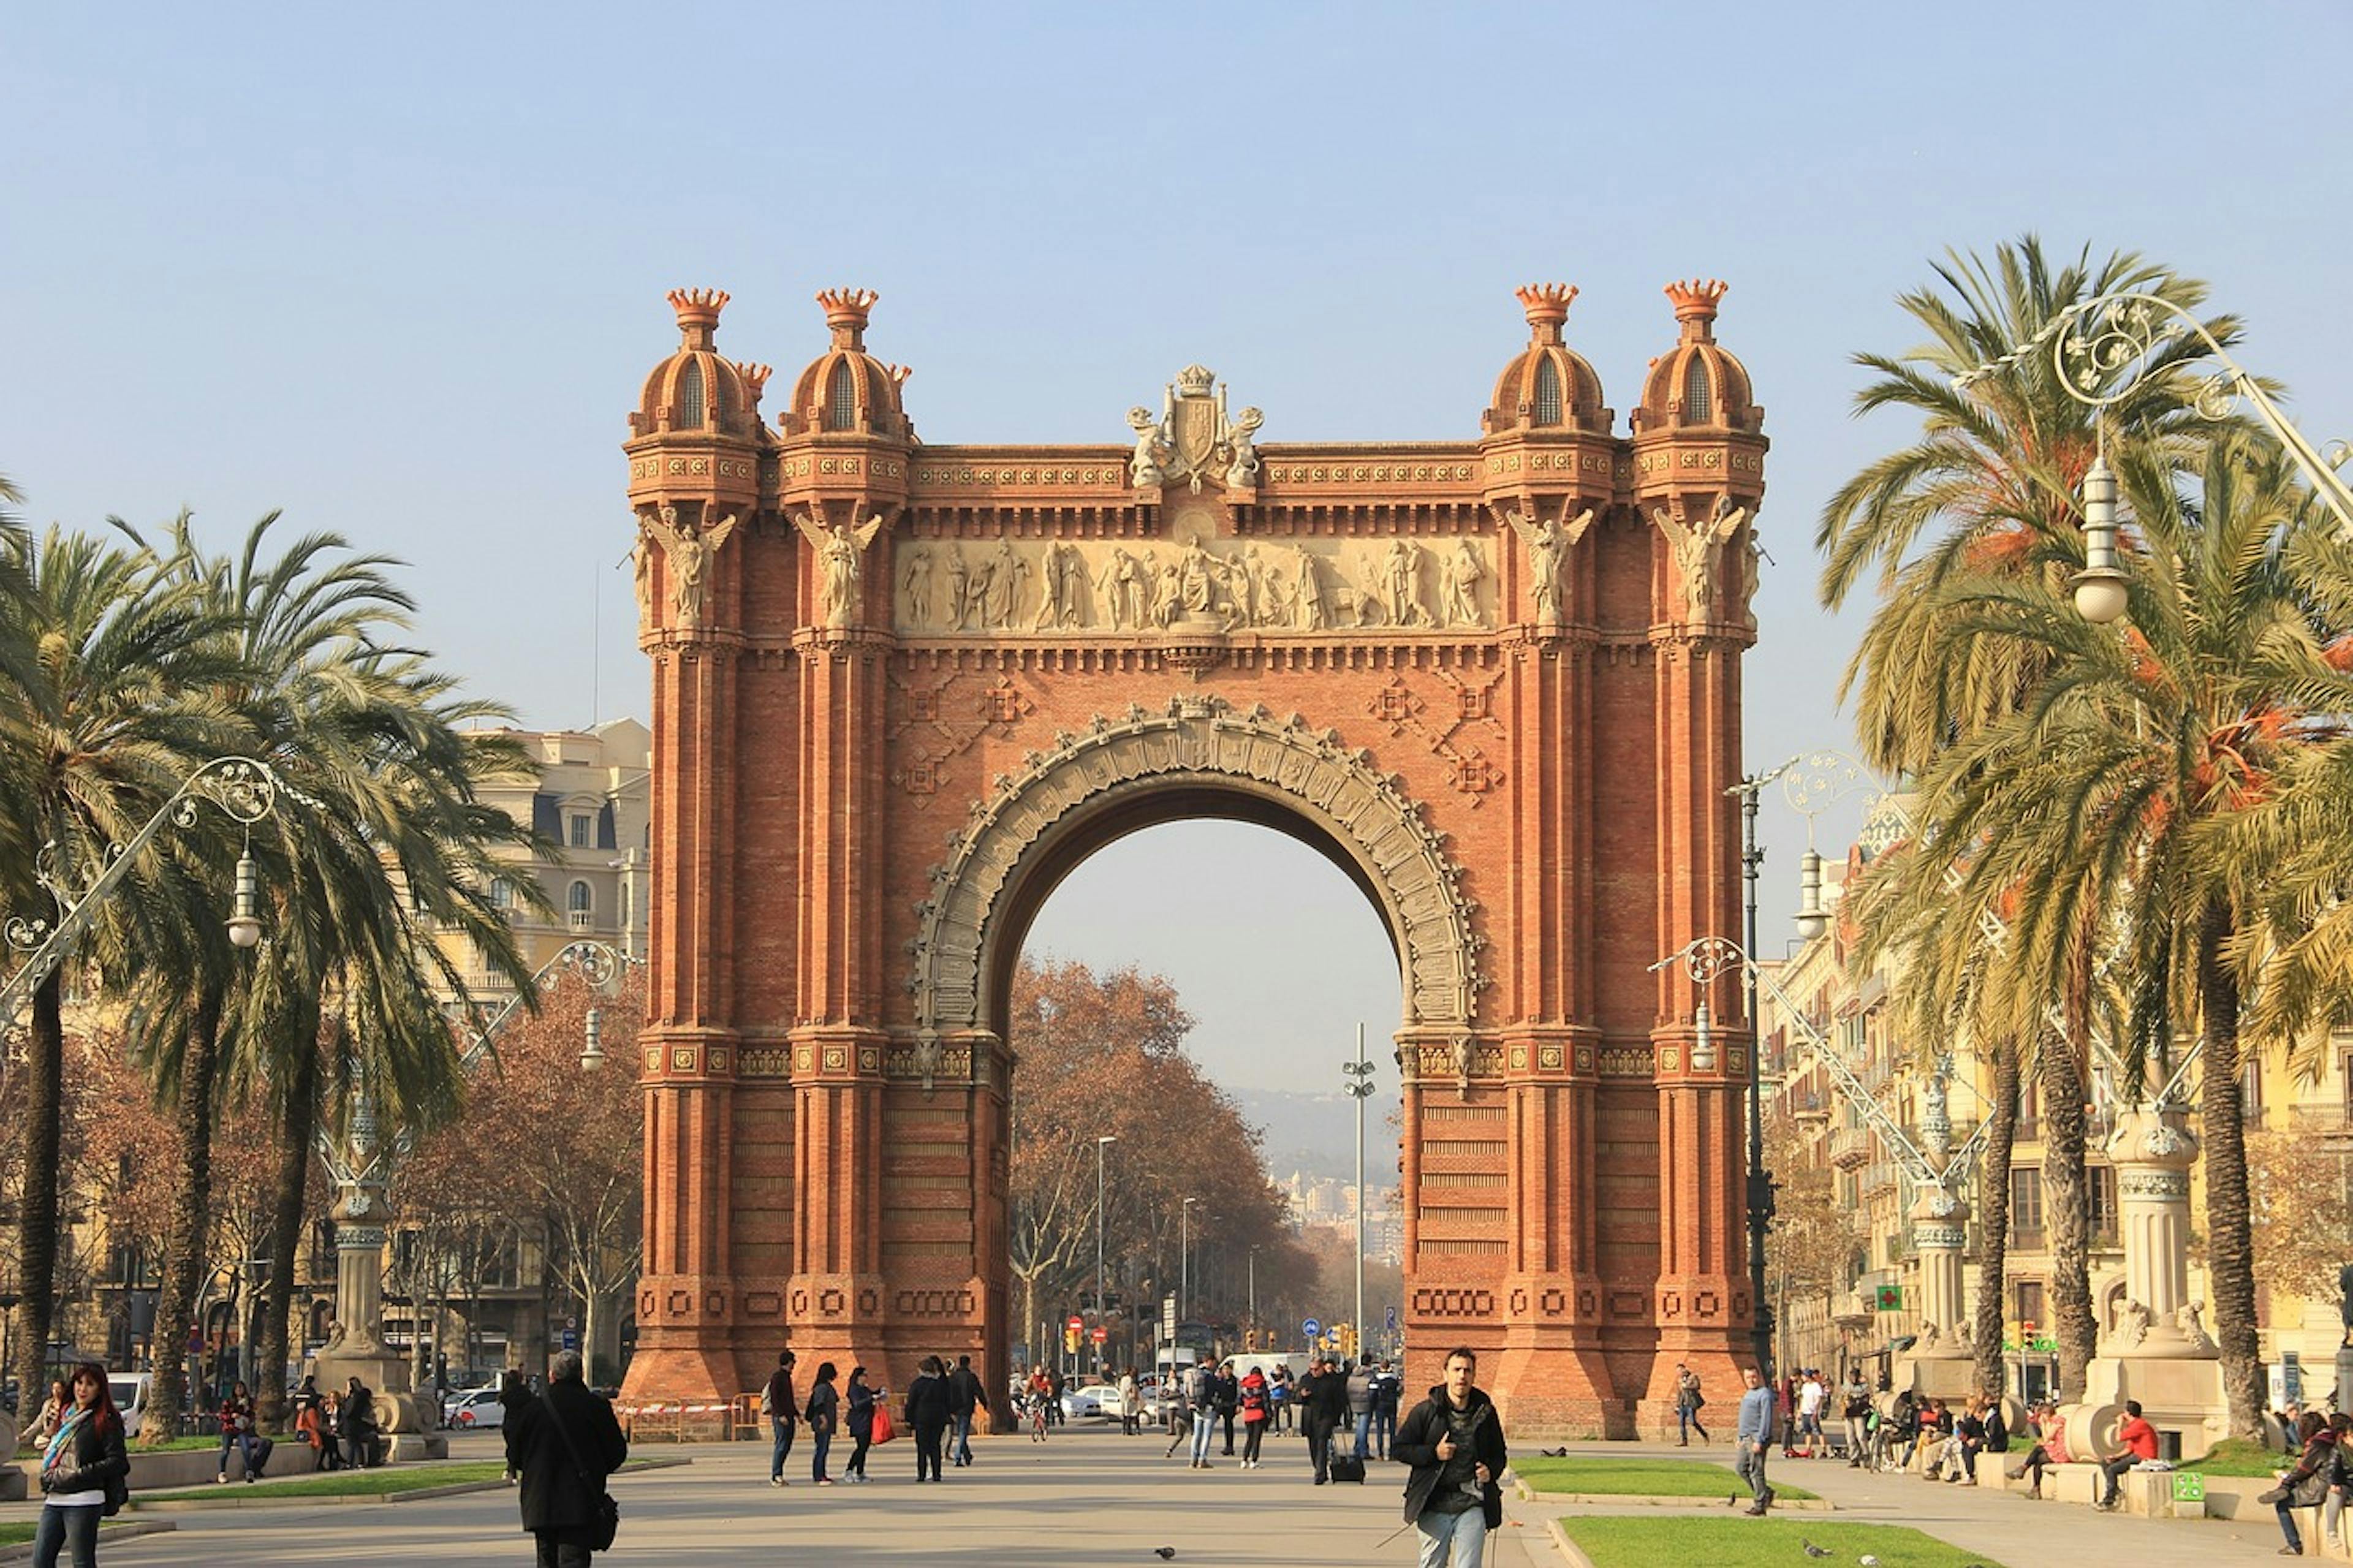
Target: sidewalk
(1087,1497)
(2005,1527)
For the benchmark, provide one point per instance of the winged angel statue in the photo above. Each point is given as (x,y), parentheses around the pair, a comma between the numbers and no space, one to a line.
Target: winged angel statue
(1548,544)
(689,549)
(840,551)
(1696,549)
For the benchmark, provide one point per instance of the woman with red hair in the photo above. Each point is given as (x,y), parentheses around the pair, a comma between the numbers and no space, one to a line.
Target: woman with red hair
(85,1472)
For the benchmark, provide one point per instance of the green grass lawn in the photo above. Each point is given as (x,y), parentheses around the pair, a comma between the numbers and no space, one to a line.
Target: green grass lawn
(1599,1475)
(1739,1542)
(2237,1456)
(17,1534)
(380,1482)
(176,1445)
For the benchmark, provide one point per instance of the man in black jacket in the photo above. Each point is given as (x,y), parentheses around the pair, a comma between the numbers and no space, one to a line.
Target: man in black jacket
(963,1400)
(1324,1408)
(562,1494)
(1455,1442)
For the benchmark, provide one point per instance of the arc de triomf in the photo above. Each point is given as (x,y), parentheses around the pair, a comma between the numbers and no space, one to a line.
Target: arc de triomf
(900,689)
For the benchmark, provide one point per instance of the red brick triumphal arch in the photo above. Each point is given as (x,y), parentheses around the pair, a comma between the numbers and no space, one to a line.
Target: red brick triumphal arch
(900,689)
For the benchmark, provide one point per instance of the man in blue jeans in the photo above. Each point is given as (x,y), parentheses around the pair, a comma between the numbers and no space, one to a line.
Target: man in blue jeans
(964,1399)
(1201,1395)
(1360,1407)
(784,1416)
(1752,1438)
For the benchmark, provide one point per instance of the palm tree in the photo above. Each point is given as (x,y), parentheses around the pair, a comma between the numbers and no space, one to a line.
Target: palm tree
(2100,804)
(1990,488)
(107,669)
(378,838)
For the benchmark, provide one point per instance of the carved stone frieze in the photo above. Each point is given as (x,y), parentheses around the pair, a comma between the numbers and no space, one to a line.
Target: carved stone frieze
(1198,738)
(1065,587)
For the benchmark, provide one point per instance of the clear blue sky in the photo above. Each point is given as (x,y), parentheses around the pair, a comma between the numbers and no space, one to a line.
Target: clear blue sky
(399,270)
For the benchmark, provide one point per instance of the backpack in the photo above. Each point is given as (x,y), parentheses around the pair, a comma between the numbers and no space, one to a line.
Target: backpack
(1253,1403)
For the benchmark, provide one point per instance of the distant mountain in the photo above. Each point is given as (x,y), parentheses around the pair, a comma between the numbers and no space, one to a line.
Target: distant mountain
(1317,1134)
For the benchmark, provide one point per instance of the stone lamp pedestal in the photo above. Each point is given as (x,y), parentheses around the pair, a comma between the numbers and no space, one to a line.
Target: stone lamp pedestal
(356,1348)
(2158,1350)
(1940,1365)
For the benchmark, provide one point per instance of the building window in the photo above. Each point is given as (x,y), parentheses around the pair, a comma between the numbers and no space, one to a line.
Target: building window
(580,903)
(502,893)
(1548,392)
(577,830)
(841,398)
(624,905)
(2102,1180)
(2251,1090)
(1697,401)
(689,397)
(2025,1206)
(2029,1294)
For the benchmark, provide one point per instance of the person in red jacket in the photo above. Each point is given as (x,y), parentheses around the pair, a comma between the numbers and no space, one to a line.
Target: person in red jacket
(2139,1439)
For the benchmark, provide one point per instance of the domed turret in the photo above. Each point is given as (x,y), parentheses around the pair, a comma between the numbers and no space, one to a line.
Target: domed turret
(1697,383)
(694,389)
(1548,386)
(847,390)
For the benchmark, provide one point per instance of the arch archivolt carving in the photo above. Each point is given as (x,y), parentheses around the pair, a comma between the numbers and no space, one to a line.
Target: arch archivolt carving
(1200,740)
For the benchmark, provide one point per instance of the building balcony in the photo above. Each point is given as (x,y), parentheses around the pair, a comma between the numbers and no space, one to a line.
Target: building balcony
(1850,1148)
(2332,1124)
(1877,1177)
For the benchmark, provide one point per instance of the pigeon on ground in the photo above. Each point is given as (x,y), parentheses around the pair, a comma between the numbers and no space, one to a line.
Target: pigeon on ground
(1164,1552)
(1868,1560)
(1812,1550)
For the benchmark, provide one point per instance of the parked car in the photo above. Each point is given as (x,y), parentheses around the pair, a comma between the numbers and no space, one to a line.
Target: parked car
(1096,1400)
(130,1391)
(476,1409)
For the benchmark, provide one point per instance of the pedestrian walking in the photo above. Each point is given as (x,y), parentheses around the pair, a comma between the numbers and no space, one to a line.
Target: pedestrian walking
(1388,1389)
(1252,1398)
(1810,1395)
(1855,1406)
(1279,1396)
(514,1393)
(355,1424)
(1453,1441)
(1752,1438)
(1360,1407)
(1131,1404)
(1689,1401)
(861,1400)
(562,1445)
(85,1471)
(1054,1386)
(236,1433)
(930,1408)
(1323,1406)
(964,1402)
(1201,1394)
(1229,1396)
(784,1414)
(823,1415)
(53,1410)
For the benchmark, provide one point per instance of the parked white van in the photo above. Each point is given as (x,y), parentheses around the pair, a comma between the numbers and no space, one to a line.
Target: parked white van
(130,1391)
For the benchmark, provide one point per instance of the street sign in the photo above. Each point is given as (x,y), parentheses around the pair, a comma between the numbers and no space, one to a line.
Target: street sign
(1075,1323)
(1310,1329)
(1102,1334)
(1890,1299)
(571,1339)
(1392,1320)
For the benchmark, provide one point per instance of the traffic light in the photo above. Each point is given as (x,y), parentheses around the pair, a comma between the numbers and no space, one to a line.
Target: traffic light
(1071,1340)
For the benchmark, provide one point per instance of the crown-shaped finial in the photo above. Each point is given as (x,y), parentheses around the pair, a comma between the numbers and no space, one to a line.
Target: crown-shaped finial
(1547,308)
(1195,381)
(698,312)
(1696,300)
(755,376)
(845,310)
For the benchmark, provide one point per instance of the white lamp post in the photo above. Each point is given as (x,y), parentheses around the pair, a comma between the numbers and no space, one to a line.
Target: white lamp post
(1101,1315)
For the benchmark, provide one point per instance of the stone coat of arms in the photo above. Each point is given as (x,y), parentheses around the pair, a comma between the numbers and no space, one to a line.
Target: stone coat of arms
(1192,439)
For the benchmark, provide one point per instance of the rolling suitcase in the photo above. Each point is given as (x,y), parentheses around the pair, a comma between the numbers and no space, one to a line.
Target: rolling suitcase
(1347,1468)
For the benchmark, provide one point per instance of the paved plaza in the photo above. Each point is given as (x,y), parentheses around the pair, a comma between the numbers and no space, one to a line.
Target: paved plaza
(1091,1496)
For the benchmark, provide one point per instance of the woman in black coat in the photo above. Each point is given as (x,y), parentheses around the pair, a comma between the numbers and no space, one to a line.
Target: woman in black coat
(862,1400)
(928,1408)
(85,1472)
(824,1417)
(563,1496)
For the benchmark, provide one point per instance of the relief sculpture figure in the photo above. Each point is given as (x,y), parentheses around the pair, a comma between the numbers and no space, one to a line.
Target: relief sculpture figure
(1150,448)
(1241,470)
(1125,583)
(1696,548)
(957,607)
(916,585)
(1310,605)
(1548,544)
(1463,572)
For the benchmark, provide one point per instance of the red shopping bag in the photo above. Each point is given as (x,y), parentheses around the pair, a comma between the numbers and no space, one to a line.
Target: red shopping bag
(883,1430)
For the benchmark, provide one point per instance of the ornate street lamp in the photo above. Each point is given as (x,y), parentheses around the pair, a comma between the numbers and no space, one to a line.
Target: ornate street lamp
(2110,342)
(245,788)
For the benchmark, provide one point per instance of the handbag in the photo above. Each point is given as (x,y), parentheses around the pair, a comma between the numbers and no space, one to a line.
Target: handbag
(608,1511)
(883,1428)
